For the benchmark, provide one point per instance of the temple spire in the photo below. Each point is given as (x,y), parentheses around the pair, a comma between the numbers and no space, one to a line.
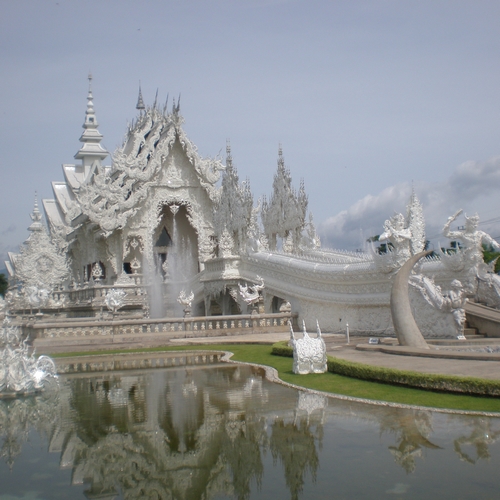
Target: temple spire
(229,158)
(36,217)
(91,150)
(140,103)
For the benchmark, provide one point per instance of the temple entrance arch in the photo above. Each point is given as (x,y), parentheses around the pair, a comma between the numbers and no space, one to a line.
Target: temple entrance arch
(175,244)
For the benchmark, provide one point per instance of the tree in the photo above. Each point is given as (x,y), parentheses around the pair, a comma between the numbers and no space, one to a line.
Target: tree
(4,283)
(489,255)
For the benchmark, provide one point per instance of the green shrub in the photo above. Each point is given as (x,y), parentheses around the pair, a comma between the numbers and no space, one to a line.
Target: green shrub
(282,349)
(435,382)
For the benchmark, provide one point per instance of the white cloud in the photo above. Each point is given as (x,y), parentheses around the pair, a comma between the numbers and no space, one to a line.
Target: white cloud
(473,186)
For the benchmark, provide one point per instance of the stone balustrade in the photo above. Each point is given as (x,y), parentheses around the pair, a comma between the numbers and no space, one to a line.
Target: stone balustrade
(203,326)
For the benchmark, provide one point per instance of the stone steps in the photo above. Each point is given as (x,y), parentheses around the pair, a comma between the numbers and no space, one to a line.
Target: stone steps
(483,318)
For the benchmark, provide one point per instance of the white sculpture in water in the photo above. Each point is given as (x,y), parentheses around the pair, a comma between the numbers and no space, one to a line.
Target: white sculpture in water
(309,354)
(21,373)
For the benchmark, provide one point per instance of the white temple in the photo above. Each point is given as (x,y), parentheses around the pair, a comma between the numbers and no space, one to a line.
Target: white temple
(156,221)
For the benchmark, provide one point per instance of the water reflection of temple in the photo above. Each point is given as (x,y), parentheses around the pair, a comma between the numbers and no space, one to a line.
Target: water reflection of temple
(192,432)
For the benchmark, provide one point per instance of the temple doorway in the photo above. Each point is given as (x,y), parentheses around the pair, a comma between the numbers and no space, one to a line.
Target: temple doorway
(176,245)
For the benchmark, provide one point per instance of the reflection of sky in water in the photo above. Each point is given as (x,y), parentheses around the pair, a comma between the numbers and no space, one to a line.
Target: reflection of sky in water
(224,432)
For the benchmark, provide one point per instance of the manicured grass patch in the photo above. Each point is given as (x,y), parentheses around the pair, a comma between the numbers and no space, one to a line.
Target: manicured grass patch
(330,382)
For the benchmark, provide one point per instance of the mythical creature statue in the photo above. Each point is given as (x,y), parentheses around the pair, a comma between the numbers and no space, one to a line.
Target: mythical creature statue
(36,297)
(452,301)
(472,240)
(21,373)
(251,295)
(405,236)
(400,237)
(309,354)
(185,300)
(115,299)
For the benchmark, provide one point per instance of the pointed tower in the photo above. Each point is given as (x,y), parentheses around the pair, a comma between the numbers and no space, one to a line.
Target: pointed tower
(91,153)
(36,217)
(140,103)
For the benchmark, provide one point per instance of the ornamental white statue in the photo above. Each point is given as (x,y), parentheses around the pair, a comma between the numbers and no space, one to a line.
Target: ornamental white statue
(20,372)
(405,236)
(115,299)
(309,354)
(453,301)
(185,300)
(251,295)
(472,240)
(400,237)
(36,297)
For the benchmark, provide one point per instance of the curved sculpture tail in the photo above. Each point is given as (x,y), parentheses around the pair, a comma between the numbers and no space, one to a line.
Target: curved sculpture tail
(406,328)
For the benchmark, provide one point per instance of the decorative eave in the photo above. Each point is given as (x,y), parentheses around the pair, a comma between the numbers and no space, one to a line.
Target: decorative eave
(114,195)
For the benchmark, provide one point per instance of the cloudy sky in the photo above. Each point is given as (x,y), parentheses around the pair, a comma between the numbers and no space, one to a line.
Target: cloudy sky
(365,97)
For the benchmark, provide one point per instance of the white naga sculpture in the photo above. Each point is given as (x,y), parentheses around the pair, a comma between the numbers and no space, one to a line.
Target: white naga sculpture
(115,299)
(452,301)
(21,373)
(251,295)
(309,354)
(185,300)
(472,240)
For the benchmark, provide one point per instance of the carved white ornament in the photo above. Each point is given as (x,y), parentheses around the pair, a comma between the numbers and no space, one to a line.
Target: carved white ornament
(452,301)
(115,299)
(20,372)
(233,214)
(309,354)
(406,237)
(39,263)
(185,300)
(251,295)
(472,240)
(285,213)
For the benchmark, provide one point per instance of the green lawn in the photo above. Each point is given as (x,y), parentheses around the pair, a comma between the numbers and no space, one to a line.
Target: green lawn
(329,382)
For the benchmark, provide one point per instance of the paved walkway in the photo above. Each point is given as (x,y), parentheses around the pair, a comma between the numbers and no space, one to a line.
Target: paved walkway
(337,347)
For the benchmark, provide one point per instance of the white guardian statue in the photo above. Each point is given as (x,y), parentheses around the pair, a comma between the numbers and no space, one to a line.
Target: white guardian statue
(471,238)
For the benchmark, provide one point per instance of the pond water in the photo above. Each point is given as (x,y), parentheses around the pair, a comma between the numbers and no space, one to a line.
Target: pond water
(224,432)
